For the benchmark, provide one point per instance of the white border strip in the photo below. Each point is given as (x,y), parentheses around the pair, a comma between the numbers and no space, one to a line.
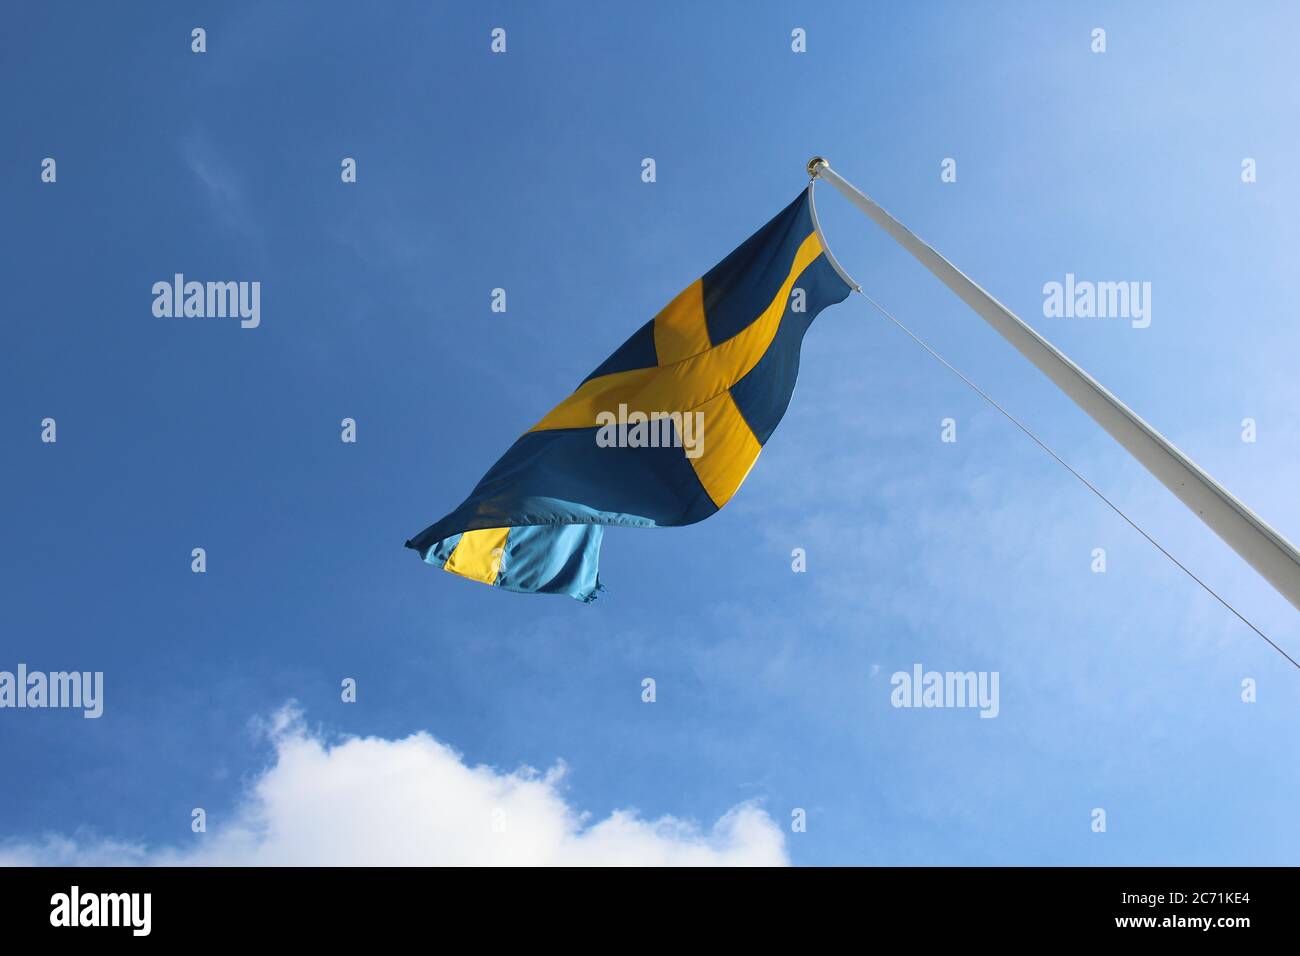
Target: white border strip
(821,237)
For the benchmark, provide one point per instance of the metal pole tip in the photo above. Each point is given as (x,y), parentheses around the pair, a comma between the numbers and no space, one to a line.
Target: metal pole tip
(815,164)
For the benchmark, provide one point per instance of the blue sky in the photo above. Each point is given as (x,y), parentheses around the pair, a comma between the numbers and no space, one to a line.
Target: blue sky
(1119,690)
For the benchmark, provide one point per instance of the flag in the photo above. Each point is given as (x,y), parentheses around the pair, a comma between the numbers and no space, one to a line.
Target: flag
(663,433)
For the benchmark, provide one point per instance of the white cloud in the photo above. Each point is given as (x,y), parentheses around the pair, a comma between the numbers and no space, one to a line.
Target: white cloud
(371,801)
(221,182)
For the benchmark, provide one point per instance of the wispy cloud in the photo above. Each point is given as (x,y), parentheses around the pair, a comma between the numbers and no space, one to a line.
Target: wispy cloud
(221,182)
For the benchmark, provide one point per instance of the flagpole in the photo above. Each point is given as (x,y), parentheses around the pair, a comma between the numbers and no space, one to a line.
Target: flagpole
(1245,532)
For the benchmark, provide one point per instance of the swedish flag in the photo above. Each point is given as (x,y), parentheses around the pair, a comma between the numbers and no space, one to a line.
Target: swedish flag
(662,433)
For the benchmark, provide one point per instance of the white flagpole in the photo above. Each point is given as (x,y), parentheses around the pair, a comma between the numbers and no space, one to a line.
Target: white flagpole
(1245,532)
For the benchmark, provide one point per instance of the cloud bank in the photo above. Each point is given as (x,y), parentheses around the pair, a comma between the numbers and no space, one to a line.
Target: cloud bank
(414,801)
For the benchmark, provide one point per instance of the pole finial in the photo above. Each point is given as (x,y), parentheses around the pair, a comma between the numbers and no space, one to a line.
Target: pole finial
(815,164)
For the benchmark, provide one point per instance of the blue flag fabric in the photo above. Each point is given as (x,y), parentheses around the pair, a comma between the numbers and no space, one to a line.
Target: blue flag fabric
(662,433)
